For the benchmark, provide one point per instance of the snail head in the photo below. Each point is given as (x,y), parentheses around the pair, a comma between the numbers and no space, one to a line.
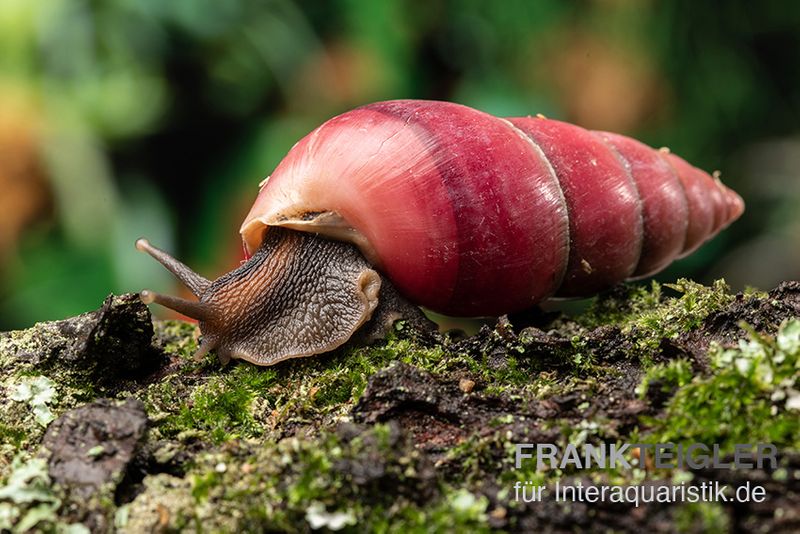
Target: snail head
(299,294)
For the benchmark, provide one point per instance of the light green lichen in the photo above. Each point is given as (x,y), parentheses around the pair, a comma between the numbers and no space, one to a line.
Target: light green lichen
(28,403)
(37,392)
(28,501)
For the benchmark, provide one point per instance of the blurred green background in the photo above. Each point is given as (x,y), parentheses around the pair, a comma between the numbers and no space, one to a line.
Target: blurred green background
(122,118)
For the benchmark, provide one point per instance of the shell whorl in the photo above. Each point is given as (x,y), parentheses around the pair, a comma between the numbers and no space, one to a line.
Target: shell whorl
(469,214)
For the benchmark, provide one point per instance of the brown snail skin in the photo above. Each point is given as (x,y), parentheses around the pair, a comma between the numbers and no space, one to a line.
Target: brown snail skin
(445,207)
(295,297)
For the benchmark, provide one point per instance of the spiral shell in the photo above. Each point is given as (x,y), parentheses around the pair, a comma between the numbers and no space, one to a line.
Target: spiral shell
(470,214)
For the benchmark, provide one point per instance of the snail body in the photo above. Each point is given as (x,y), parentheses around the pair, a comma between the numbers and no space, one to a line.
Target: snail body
(469,214)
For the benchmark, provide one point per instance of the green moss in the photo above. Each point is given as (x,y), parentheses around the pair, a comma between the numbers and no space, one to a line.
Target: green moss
(636,304)
(220,410)
(13,436)
(244,400)
(623,304)
(330,383)
(177,337)
(515,372)
(666,378)
(751,395)
(702,517)
(646,317)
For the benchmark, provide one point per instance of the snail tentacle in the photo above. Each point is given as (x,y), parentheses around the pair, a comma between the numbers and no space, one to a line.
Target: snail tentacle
(192,309)
(193,281)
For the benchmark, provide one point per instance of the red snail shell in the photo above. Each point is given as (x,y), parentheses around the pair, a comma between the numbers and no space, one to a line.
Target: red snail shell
(469,214)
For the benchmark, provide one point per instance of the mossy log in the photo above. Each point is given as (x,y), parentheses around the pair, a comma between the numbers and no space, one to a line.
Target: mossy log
(107,424)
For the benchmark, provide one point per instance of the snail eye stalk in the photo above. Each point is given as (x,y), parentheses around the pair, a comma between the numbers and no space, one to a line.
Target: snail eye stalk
(196,283)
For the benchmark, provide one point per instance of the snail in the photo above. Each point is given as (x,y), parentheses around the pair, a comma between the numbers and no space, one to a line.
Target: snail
(450,208)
